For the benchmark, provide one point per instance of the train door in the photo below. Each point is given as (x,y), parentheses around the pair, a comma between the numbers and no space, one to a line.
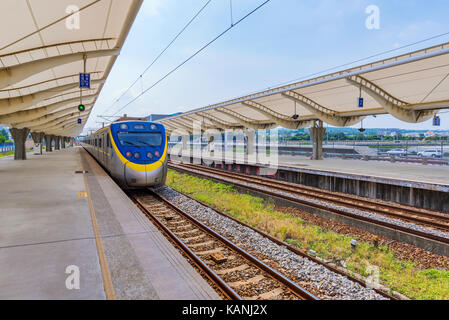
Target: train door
(105,156)
(108,150)
(101,149)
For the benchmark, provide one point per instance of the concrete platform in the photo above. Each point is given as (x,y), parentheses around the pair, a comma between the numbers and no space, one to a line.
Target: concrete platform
(47,224)
(431,177)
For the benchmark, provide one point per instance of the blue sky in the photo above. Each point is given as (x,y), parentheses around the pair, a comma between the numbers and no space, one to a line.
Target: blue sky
(285,40)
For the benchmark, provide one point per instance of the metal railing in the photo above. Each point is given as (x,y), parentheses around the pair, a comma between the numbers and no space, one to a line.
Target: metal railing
(6,147)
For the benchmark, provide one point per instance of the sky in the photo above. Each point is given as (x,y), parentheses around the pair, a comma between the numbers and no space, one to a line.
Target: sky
(283,41)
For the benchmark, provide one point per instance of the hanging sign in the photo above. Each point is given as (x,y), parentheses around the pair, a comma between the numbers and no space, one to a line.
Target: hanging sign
(85,80)
(361,101)
(436,121)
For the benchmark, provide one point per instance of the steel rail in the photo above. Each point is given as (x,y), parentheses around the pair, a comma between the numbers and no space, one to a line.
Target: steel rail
(339,198)
(293,199)
(293,287)
(224,287)
(291,248)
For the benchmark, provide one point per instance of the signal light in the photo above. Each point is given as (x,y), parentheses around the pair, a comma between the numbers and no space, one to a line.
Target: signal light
(149,155)
(137,155)
(82,107)
(157,154)
(128,154)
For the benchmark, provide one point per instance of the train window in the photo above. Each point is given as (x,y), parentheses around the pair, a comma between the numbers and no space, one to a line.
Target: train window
(108,141)
(100,144)
(140,139)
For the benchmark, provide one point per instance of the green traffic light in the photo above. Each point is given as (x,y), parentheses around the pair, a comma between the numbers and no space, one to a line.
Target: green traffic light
(81,107)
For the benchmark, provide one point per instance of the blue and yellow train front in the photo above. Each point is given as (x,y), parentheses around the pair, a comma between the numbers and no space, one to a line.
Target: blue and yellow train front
(139,154)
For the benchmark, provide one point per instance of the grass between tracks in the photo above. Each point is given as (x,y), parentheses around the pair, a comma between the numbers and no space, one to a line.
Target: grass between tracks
(401,276)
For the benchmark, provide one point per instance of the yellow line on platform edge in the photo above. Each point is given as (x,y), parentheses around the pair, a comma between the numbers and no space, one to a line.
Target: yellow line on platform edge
(106,274)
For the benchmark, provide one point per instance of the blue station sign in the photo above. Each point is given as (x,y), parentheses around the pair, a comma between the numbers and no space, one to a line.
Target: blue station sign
(85,80)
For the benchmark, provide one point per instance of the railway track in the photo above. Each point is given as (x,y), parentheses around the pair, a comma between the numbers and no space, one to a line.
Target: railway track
(290,192)
(238,274)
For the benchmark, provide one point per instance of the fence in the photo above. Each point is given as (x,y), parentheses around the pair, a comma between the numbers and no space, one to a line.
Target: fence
(6,147)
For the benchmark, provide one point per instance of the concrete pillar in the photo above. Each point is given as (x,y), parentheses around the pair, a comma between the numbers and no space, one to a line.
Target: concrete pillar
(37,138)
(63,142)
(57,143)
(250,155)
(223,146)
(317,133)
(250,141)
(19,136)
(48,140)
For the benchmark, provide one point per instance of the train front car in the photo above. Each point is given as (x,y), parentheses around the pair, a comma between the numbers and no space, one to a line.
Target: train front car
(139,154)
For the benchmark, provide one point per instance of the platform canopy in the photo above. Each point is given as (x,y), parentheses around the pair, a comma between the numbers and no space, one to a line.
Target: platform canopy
(410,87)
(44,46)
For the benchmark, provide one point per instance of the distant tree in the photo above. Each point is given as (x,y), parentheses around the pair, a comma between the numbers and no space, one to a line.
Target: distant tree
(4,133)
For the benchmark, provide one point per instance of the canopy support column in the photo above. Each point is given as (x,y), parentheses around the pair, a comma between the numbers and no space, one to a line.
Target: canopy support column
(317,133)
(19,136)
(48,141)
(57,143)
(37,138)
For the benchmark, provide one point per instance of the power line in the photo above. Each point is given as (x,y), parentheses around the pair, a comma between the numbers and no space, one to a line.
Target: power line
(162,52)
(194,55)
(363,59)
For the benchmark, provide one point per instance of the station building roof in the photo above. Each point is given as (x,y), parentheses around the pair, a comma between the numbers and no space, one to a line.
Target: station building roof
(412,87)
(43,49)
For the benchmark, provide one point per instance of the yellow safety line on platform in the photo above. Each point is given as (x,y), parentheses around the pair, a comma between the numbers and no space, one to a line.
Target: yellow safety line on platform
(106,274)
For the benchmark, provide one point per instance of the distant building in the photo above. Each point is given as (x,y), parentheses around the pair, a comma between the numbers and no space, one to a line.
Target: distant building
(389,132)
(156,117)
(413,134)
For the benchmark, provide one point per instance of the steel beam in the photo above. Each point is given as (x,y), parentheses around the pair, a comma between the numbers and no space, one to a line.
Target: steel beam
(12,75)
(399,109)
(322,113)
(279,119)
(21,103)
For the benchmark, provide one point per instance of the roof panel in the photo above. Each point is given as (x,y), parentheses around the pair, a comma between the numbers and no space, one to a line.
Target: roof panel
(416,79)
(40,31)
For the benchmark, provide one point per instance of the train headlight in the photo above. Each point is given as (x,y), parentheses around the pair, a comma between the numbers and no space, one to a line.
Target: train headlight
(128,154)
(153,127)
(137,155)
(124,126)
(157,154)
(149,155)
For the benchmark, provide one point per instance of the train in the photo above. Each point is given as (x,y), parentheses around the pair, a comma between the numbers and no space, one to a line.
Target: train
(133,152)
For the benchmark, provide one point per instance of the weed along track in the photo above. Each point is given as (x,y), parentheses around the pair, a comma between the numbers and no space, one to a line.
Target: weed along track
(316,278)
(419,222)
(273,230)
(238,274)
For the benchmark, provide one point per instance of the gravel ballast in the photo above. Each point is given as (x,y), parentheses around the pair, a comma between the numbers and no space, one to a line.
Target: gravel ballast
(337,286)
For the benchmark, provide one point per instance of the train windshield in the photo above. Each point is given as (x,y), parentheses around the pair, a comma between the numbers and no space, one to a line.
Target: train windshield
(140,139)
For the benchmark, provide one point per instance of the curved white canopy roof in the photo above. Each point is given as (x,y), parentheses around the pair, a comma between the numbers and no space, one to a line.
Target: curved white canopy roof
(411,87)
(42,52)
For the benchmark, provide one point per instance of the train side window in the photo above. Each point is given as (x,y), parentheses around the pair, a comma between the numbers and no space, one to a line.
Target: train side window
(108,141)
